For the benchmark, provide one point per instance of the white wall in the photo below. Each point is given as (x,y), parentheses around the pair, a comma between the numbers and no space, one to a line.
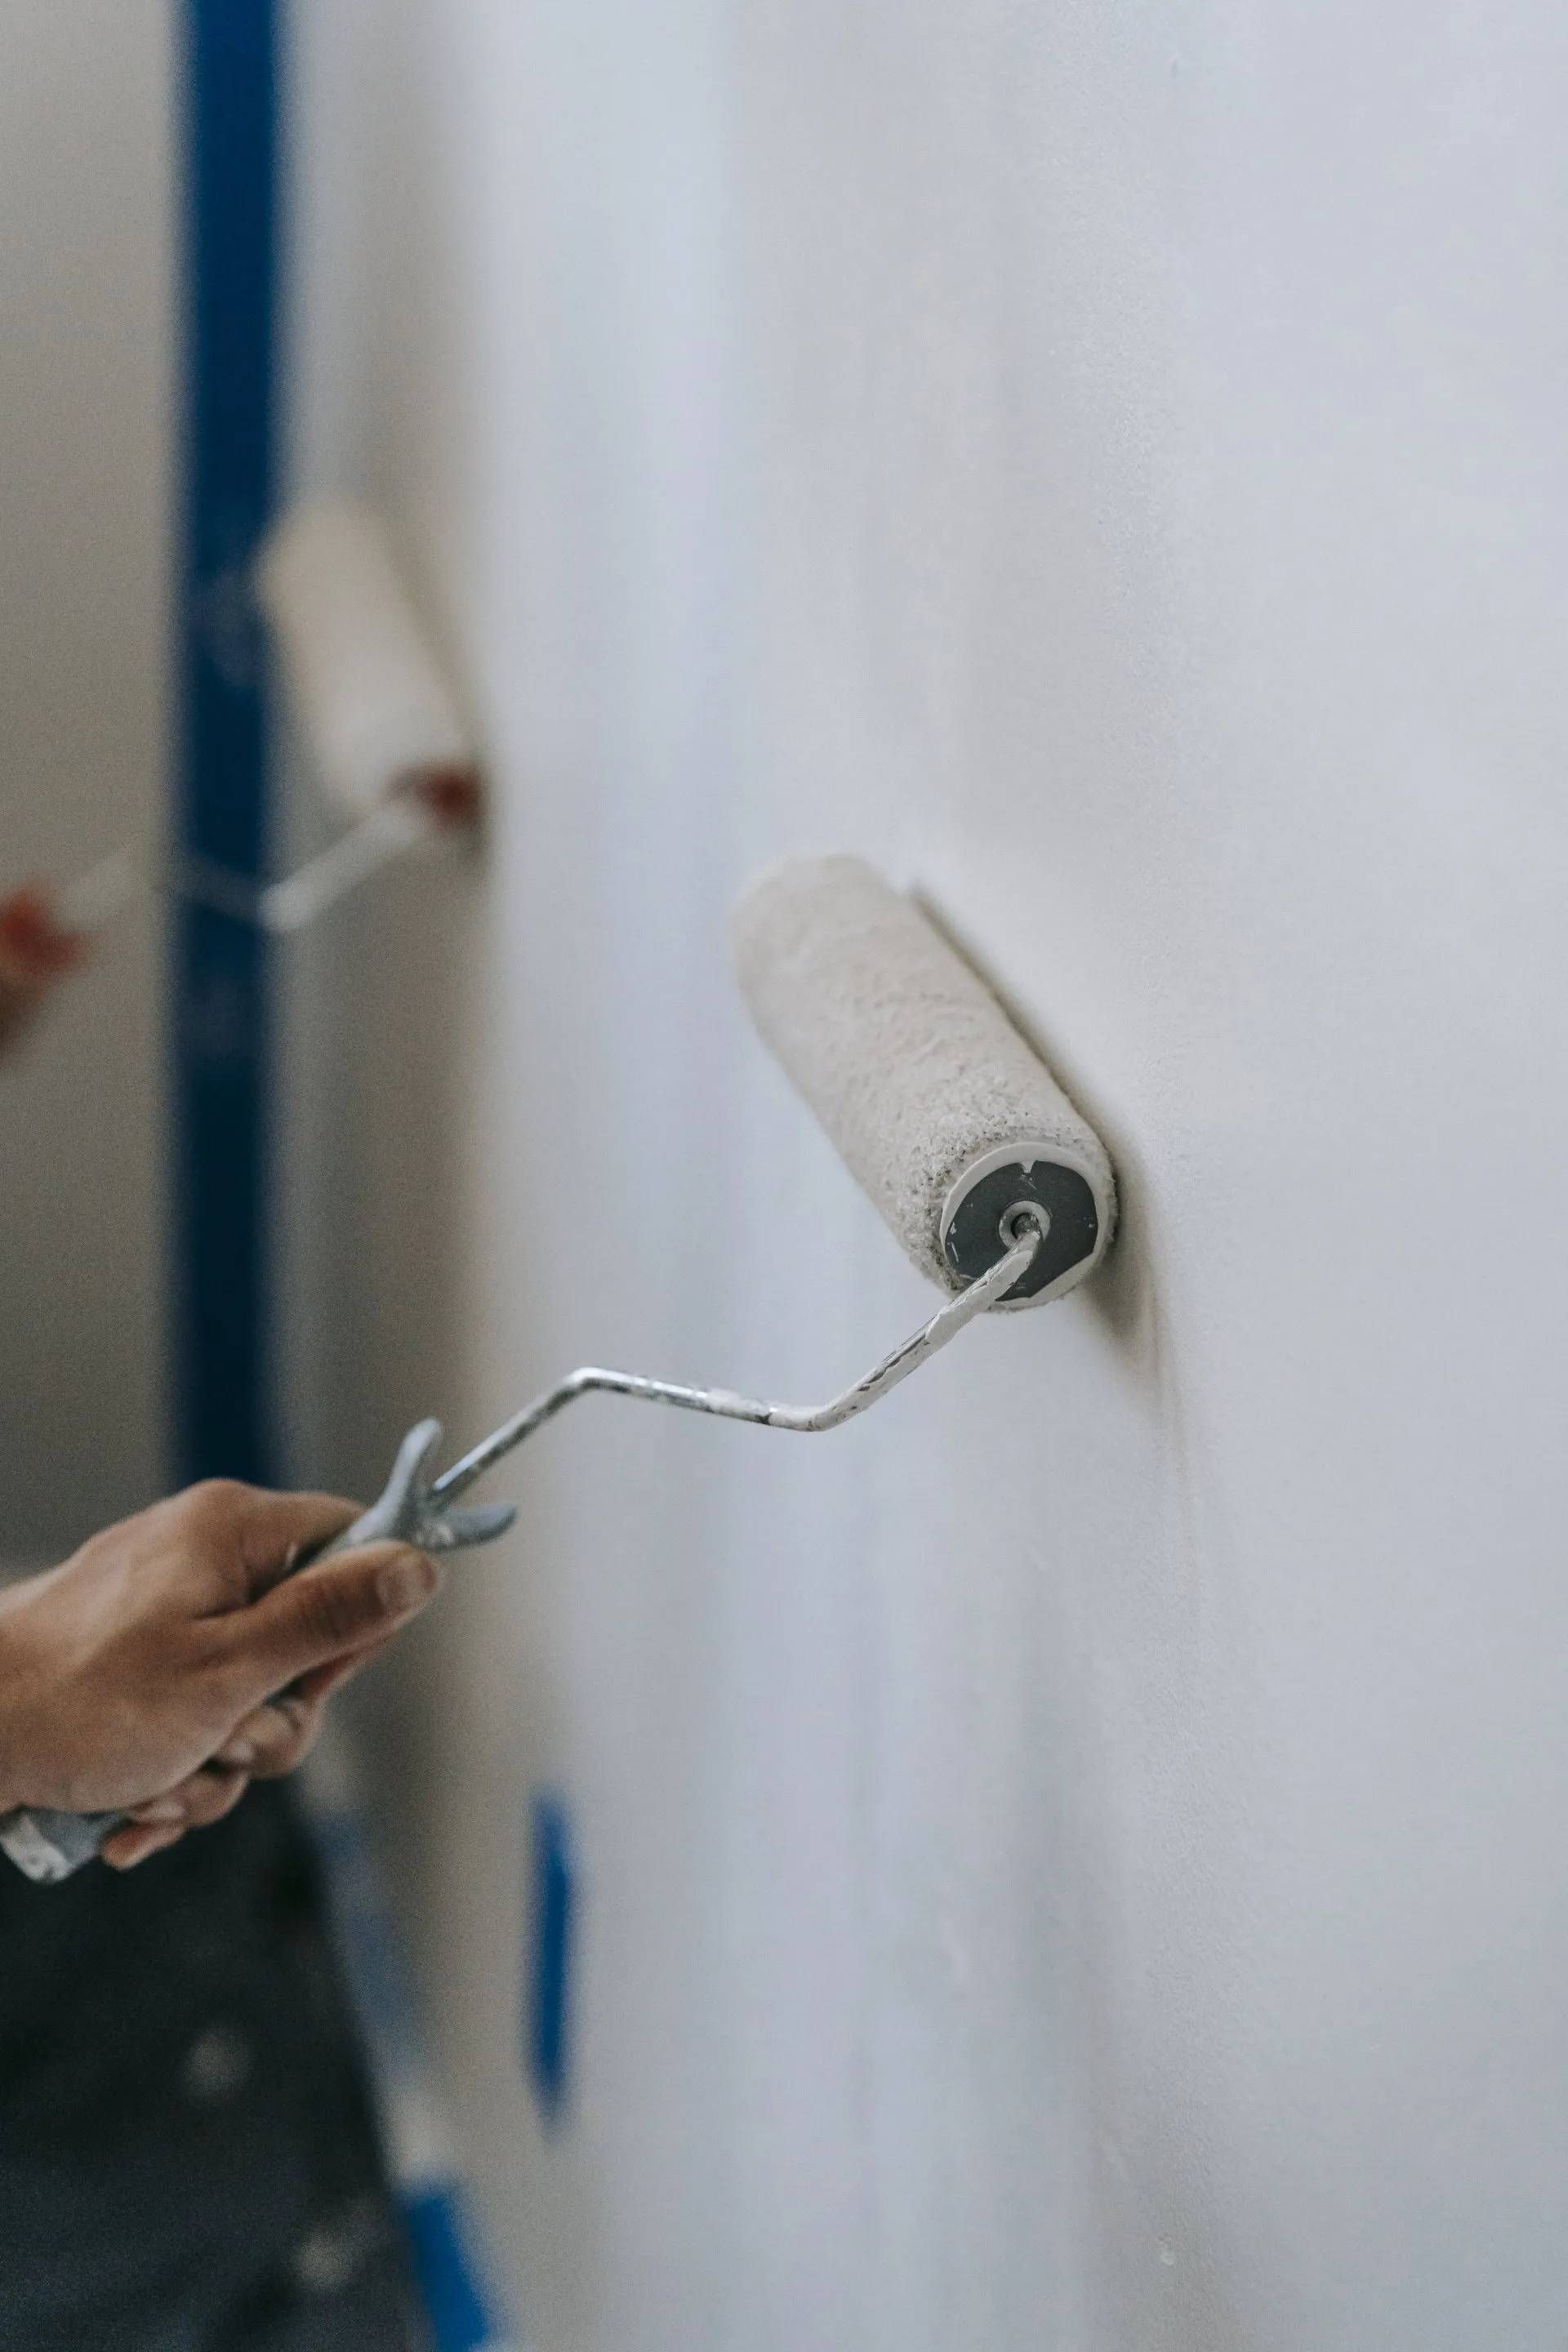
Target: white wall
(1075,1859)
(86,369)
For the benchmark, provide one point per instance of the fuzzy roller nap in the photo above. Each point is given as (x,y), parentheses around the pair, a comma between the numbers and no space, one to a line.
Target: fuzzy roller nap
(940,1111)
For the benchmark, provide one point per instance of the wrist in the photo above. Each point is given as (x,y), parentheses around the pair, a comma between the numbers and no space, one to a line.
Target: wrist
(24,1770)
(11,1776)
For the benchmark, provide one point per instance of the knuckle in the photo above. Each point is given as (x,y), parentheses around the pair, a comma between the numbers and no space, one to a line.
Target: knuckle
(201,1805)
(288,1713)
(212,1652)
(216,1503)
(289,1743)
(287,1757)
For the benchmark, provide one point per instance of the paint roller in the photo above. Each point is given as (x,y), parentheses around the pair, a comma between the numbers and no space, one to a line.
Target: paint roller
(996,1187)
(950,1123)
(371,698)
(372,708)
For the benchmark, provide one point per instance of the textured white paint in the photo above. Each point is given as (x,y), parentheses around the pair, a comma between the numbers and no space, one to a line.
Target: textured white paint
(1075,1860)
(86,361)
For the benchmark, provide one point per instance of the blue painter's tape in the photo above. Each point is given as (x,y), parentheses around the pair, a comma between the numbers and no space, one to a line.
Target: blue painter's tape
(445,2244)
(446,2273)
(220,1024)
(550,2021)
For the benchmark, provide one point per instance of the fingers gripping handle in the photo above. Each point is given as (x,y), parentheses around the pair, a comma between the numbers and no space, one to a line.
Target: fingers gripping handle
(50,1846)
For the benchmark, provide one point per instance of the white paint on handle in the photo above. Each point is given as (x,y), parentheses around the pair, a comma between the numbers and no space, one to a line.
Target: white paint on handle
(387,834)
(132,872)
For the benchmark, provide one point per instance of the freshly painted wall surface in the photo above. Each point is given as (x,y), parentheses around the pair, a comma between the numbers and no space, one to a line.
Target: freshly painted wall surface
(1075,1859)
(86,198)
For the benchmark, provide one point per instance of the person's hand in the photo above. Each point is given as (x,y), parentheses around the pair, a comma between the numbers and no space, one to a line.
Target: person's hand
(174,1657)
(36,952)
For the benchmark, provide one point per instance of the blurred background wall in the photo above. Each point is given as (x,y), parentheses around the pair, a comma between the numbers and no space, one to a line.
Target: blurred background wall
(86,367)
(1074,1858)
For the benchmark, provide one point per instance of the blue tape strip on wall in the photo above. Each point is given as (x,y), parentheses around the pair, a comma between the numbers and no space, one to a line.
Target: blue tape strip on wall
(548,2025)
(221,1030)
(444,2240)
(222,1423)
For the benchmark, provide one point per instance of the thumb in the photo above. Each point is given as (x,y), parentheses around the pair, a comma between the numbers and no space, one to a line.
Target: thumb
(278,1530)
(327,1611)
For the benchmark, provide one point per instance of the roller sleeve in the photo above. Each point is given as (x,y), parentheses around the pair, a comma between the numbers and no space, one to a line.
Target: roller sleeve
(944,1115)
(371,703)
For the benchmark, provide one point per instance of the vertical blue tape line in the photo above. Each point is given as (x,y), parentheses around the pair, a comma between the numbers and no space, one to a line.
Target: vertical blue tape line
(222,1421)
(222,1418)
(446,2273)
(548,2024)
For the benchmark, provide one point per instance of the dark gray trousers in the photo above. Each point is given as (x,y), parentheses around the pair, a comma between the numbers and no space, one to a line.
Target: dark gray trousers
(188,2155)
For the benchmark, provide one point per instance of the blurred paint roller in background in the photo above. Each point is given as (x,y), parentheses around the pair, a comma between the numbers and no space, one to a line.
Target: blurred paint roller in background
(373,704)
(374,714)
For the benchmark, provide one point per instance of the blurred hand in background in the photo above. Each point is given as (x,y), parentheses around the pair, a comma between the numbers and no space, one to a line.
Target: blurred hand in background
(37,953)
